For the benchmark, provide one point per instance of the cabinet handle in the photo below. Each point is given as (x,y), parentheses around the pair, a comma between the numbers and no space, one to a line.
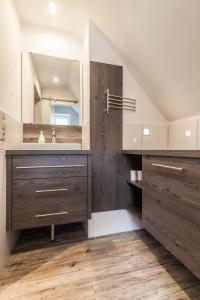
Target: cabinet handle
(50,215)
(42,167)
(168,167)
(51,191)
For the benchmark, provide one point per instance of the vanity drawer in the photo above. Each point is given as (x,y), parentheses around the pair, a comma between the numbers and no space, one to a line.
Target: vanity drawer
(183,169)
(41,202)
(171,206)
(47,166)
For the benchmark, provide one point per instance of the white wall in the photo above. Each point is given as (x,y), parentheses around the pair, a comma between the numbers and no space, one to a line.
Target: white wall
(158,138)
(10,60)
(43,109)
(86,90)
(58,94)
(74,79)
(179,131)
(29,80)
(146,112)
(10,102)
(51,42)
(198,133)
(13,136)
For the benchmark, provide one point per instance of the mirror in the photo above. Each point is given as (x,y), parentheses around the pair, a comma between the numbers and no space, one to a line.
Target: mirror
(50,90)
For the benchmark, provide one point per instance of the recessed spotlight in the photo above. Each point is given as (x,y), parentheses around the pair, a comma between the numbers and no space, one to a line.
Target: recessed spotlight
(55,79)
(188,133)
(146,131)
(52,8)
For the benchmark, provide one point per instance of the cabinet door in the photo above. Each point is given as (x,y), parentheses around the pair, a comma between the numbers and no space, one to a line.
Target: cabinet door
(171,206)
(48,166)
(42,202)
(106,138)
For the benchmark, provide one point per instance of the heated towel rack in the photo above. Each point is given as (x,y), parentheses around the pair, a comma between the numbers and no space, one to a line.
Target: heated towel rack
(119,102)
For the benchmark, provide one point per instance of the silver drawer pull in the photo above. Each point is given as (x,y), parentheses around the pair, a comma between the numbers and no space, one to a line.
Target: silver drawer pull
(168,167)
(43,167)
(50,215)
(51,191)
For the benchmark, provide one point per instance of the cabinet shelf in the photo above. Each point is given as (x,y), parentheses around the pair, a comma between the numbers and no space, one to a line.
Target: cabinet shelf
(137,184)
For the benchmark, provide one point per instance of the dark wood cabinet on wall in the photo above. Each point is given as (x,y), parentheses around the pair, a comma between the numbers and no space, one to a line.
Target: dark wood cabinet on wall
(106,138)
(47,187)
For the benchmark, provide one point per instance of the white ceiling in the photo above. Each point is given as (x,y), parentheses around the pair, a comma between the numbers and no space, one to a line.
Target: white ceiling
(158,39)
(48,67)
(69,15)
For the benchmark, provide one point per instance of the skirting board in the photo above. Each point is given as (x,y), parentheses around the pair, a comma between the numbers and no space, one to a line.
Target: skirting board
(111,222)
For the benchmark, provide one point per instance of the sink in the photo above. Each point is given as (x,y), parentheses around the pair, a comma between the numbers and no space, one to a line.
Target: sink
(50,146)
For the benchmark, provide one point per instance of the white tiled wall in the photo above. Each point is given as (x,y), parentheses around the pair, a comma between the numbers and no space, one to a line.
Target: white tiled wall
(7,240)
(157,138)
(13,136)
(178,135)
(2,181)
(183,135)
(133,137)
(198,133)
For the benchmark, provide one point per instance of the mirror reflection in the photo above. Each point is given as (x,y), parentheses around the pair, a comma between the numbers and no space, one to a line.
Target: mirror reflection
(50,90)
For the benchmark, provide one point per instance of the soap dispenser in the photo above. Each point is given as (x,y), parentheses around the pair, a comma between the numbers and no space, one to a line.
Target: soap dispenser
(41,139)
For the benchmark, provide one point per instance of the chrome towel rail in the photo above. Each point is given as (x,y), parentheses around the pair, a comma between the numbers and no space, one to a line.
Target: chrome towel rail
(119,102)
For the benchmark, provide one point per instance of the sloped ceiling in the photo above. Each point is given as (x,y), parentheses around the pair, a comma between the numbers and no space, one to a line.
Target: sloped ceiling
(158,39)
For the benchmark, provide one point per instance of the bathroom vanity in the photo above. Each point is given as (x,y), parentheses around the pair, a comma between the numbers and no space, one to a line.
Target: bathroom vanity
(169,197)
(46,187)
(48,180)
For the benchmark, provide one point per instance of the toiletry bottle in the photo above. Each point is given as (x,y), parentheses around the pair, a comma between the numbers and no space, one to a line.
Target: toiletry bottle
(53,135)
(41,139)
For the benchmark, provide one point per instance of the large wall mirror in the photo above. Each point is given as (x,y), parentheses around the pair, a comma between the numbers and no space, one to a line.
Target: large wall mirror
(51,90)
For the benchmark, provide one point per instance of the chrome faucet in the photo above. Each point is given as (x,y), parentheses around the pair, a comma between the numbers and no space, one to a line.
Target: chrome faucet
(53,135)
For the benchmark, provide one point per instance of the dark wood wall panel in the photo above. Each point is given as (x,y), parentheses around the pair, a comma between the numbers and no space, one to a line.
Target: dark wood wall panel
(106,139)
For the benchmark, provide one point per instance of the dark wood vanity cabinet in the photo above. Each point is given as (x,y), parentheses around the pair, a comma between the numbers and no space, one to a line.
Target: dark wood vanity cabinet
(47,189)
(171,205)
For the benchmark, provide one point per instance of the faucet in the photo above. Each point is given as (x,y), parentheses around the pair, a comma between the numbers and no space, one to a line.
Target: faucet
(53,135)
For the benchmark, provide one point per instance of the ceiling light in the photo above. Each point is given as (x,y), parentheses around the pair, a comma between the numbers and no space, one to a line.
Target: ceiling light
(55,79)
(188,133)
(146,131)
(52,8)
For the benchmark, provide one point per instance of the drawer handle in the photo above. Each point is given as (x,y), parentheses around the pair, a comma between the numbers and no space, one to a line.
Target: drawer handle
(51,191)
(42,167)
(50,215)
(168,167)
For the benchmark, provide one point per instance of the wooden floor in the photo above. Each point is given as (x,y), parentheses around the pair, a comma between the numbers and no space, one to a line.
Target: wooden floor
(123,266)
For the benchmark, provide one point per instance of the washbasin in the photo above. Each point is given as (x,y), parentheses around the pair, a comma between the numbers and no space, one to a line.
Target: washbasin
(51,146)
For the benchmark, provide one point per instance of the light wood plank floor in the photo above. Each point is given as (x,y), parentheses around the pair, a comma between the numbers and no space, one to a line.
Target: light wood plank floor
(123,266)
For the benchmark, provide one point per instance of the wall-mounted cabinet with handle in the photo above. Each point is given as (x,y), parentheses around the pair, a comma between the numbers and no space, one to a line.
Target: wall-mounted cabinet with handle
(45,189)
(171,205)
